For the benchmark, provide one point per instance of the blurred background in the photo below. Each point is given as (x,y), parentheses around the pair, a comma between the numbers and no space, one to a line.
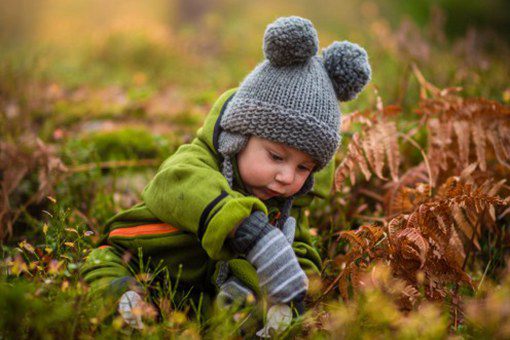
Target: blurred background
(204,47)
(125,80)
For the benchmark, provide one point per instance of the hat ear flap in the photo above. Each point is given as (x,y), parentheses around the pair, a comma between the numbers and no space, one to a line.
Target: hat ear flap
(229,144)
(348,68)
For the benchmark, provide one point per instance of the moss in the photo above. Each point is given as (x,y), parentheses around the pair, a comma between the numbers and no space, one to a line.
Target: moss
(123,144)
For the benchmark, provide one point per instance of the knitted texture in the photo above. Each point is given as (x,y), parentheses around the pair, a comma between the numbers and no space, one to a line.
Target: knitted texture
(277,268)
(229,145)
(290,41)
(233,291)
(289,229)
(295,105)
(251,230)
(290,97)
(269,250)
(347,81)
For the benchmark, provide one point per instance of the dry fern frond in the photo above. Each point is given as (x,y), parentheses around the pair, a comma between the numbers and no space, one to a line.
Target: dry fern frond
(18,162)
(462,131)
(437,212)
(433,239)
(370,150)
(365,245)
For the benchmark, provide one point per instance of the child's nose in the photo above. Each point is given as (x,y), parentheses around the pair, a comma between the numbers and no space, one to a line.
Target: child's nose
(285,175)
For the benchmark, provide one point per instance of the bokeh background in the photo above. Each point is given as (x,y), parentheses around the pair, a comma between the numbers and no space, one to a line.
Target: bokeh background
(133,79)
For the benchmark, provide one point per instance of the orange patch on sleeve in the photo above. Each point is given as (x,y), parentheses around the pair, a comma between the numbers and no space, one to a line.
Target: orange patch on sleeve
(146,229)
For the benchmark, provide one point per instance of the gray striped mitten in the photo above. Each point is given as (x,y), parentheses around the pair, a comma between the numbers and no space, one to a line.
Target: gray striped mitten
(289,229)
(267,248)
(234,292)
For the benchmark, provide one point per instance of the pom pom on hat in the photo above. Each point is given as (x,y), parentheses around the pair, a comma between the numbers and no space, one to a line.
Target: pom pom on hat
(289,41)
(348,67)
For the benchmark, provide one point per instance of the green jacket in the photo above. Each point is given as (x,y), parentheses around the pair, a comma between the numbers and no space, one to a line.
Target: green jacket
(190,194)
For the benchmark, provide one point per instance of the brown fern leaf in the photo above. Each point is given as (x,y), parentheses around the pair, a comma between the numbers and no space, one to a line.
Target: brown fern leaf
(396,200)
(474,121)
(388,132)
(355,276)
(357,154)
(455,252)
(479,140)
(465,226)
(499,149)
(428,225)
(504,133)
(441,219)
(394,226)
(409,298)
(494,189)
(461,129)
(344,170)
(343,283)
(413,246)
(373,148)
(406,199)
(352,237)
(16,163)
(363,250)
(438,143)
(354,158)
(452,187)
(414,220)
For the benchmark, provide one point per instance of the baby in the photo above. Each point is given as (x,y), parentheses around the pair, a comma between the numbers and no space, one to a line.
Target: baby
(225,214)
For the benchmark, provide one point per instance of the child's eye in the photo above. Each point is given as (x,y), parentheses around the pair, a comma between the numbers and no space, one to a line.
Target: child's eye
(275,157)
(304,168)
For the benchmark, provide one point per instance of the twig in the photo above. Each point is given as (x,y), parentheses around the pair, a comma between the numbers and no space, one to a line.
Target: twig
(483,276)
(330,287)
(370,218)
(423,82)
(371,194)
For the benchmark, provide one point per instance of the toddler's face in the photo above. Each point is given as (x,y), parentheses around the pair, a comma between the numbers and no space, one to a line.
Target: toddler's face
(270,169)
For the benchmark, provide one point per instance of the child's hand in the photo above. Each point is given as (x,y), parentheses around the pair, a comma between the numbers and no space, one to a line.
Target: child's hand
(267,248)
(131,306)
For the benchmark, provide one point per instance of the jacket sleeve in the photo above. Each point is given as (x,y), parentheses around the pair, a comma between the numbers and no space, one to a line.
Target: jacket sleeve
(106,273)
(307,254)
(190,193)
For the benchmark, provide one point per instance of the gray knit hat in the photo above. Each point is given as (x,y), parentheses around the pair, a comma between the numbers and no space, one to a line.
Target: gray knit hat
(292,96)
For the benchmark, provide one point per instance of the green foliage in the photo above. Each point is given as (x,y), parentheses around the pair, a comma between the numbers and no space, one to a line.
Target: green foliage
(27,313)
(122,144)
